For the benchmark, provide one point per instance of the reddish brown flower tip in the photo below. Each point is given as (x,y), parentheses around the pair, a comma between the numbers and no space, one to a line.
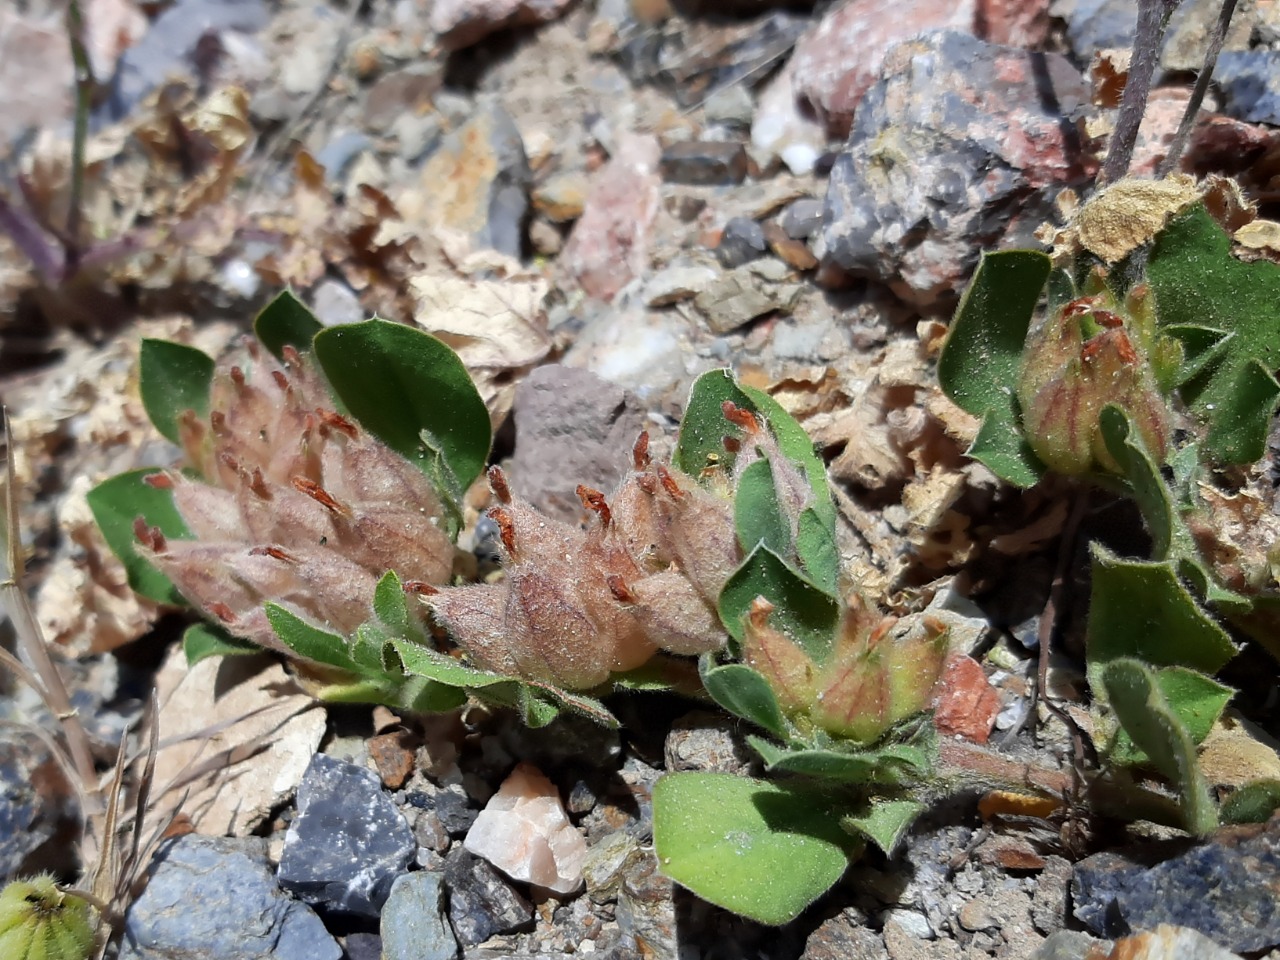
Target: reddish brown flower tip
(317,493)
(222,611)
(337,421)
(498,484)
(281,380)
(420,588)
(291,356)
(506,529)
(669,483)
(258,486)
(740,417)
(618,587)
(218,421)
(237,377)
(732,444)
(159,481)
(594,501)
(640,452)
(277,552)
(149,537)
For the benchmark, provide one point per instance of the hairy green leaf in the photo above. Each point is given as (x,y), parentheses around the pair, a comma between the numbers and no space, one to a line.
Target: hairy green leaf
(173,378)
(1253,803)
(1195,699)
(891,764)
(802,611)
(203,640)
(744,693)
(308,641)
(116,503)
(763,850)
(883,821)
(756,512)
(286,321)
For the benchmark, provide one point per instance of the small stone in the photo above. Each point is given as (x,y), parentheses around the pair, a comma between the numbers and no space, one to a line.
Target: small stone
(740,296)
(362,946)
(1168,942)
(392,754)
(976,915)
(347,843)
(704,163)
(741,242)
(704,741)
(732,106)
(525,832)
(676,283)
(1070,945)
(481,902)
(416,135)
(646,910)
(781,129)
(966,704)
(609,244)
(545,239)
(460,23)
(455,811)
(1226,888)
(216,897)
(562,197)
(430,832)
(794,253)
(910,923)
(36,804)
(802,218)
(1250,85)
(606,863)
(413,923)
(844,937)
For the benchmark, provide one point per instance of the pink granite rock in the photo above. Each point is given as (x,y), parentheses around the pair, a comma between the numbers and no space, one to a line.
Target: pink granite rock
(525,832)
(460,23)
(836,62)
(966,704)
(609,244)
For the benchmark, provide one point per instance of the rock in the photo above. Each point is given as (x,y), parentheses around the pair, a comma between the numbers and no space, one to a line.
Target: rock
(830,82)
(1165,942)
(609,244)
(645,911)
(740,296)
(544,238)
(481,902)
(794,253)
(475,183)
(920,191)
(36,75)
(741,242)
(1189,30)
(571,427)
(37,807)
(607,862)
(318,30)
(677,282)
(362,946)
(215,898)
(1225,888)
(705,741)
(1249,84)
(525,832)
(966,704)
(347,843)
(1067,945)
(392,754)
(782,129)
(333,303)
(172,44)
(562,196)
(843,936)
(732,106)
(644,352)
(709,163)
(460,23)
(802,218)
(413,922)
(406,92)
(455,810)
(1018,23)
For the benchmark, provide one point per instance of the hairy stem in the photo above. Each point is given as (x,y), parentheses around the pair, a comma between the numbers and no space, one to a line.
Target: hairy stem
(84,98)
(1153,20)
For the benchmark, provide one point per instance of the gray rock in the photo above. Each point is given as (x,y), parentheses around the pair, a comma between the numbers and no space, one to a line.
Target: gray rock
(1227,889)
(363,946)
(1250,84)
(1094,25)
(336,155)
(704,162)
(170,46)
(740,296)
(413,921)
(37,805)
(481,901)
(455,810)
(347,843)
(606,863)
(1068,945)
(646,911)
(733,106)
(571,427)
(802,218)
(677,282)
(213,898)
(741,242)
(844,936)
(705,741)
(955,150)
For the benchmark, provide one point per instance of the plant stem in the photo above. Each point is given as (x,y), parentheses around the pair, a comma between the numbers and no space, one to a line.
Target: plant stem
(84,100)
(1216,40)
(1153,19)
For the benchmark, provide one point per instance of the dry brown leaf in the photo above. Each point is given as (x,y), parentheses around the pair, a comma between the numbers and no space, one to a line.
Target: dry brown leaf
(251,702)
(1108,74)
(1122,217)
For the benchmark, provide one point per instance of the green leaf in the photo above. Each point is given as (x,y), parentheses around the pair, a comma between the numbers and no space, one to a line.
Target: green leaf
(390,606)
(802,611)
(892,764)
(982,356)
(756,512)
(203,640)
(424,662)
(1169,535)
(744,693)
(1195,699)
(1146,716)
(308,641)
(1200,286)
(763,850)
(817,550)
(1140,609)
(173,378)
(412,392)
(883,821)
(578,703)
(1004,452)
(286,321)
(116,503)
(1253,803)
